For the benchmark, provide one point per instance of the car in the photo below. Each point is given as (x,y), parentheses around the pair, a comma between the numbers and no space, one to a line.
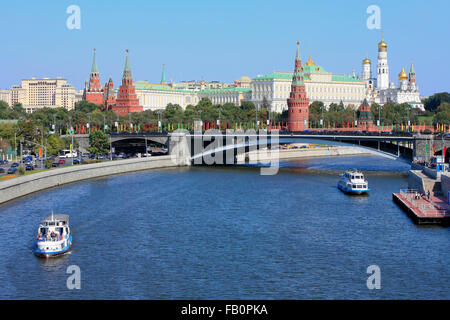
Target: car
(78,161)
(2,170)
(4,161)
(12,170)
(29,167)
(55,164)
(61,161)
(14,165)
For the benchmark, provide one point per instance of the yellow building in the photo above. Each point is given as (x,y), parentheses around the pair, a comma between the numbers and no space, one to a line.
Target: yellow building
(35,94)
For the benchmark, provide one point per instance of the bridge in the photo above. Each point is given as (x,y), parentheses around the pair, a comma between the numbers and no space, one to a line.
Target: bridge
(396,146)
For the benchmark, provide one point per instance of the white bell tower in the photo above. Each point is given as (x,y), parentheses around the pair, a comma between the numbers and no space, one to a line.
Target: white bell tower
(383,67)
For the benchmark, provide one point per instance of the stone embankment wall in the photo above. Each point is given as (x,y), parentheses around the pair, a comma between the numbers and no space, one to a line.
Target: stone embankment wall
(21,186)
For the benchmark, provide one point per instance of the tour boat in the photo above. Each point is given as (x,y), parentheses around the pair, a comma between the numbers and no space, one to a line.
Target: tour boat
(53,237)
(353,182)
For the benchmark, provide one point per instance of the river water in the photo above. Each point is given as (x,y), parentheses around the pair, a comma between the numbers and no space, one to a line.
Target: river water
(228,233)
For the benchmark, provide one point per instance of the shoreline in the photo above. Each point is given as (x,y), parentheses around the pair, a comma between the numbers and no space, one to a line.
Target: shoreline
(283,154)
(18,187)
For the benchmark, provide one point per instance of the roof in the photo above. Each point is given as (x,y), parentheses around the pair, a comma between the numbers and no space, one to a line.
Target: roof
(276,75)
(225,90)
(145,85)
(341,77)
(59,217)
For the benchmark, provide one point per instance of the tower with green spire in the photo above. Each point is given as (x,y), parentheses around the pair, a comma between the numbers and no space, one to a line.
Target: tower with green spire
(298,103)
(127,100)
(93,92)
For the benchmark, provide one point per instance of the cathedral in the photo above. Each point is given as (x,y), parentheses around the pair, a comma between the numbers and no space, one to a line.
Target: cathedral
(379,90)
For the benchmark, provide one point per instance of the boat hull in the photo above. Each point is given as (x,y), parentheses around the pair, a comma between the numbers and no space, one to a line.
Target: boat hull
(47,254)
(353,191)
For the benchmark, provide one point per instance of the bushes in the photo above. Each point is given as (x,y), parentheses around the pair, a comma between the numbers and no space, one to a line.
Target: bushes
(21,171)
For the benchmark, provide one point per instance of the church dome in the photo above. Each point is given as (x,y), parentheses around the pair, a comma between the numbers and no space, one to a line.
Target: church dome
(366,61)
(403,75)
(382,44)
(310,62)
(245,79)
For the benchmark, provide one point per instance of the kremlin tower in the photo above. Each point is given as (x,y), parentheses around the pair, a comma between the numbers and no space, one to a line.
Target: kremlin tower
(92,91)
(109,97)
(127,100)
(298,103)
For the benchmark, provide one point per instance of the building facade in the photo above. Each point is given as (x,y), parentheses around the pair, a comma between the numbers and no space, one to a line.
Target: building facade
(232,95)
(35,94)
(5,96)
(320,85)
(380,91)
(156,96)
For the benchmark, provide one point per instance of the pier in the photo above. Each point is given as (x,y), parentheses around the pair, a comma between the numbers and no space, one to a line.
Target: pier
(423,209)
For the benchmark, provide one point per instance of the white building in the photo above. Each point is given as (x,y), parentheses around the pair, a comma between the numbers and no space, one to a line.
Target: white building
(156,96)
(320,86)
(232,95)
(379,90)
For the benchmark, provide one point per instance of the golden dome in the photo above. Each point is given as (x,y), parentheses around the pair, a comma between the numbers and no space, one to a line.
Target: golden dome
(403,75)
(310,62)
(366,61)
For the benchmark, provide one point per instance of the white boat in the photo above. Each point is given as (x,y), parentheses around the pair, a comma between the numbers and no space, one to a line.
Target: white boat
(353,182)
(53,236)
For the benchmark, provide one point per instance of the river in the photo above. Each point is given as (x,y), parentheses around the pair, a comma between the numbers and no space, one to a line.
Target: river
(228,233)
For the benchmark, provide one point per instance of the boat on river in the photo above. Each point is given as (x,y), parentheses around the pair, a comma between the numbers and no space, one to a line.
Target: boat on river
(353,182)
(54,237)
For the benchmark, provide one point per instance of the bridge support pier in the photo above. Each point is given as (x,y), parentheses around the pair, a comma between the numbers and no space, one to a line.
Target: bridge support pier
(179,148)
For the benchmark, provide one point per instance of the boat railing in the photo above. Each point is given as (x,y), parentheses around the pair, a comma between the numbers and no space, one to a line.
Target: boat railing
(50,239)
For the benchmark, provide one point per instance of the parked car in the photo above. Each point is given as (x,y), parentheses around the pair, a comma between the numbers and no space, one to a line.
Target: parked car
(4,161)
(14,165)
(2,170)
(78,161)
(12,170)
(29,167)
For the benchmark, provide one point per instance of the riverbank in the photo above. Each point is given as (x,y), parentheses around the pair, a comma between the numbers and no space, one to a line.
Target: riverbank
(25,185)
(285,154)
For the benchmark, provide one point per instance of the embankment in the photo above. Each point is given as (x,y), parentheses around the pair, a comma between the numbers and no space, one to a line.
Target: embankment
(21,186)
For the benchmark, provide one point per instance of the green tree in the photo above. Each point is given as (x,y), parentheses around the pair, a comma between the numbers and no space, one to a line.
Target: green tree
(99,143)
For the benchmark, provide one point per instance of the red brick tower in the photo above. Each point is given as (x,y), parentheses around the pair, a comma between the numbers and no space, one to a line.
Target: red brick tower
(94,93)
(365,117)
(298,103)
(127,100)
(109,96)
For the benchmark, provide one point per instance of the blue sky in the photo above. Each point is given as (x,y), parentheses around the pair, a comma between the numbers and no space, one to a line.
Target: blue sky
(220,40)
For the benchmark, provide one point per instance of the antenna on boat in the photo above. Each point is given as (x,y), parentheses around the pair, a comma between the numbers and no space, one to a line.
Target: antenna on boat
(52,216)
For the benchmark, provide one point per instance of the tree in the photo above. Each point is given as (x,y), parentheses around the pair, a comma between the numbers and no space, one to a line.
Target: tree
(433,102)
(99,143)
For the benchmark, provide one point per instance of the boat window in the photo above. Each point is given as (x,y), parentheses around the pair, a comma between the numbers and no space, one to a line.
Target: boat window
(354,186)
(360,187)
(51,223)
(43,230)
(353,177)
